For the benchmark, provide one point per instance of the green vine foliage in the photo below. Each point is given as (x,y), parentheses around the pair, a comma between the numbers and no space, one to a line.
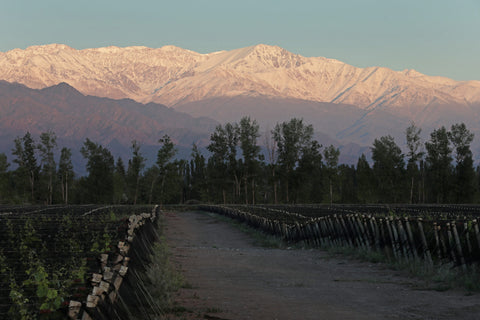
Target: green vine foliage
(47,255)
(48,298)
(20,303)
(107,240)
(3,264)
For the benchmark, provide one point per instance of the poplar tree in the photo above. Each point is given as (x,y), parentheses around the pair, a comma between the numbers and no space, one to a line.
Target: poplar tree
(272,158)
(24,151)
(165,165)
(47,146)
(331,155)
(248,131)
(366,183)
(197,167)
(4,189)
(65,172)
(415,155)
(99,186)
(291,139)
(310,174)
(439,164)
(464,180)
(222,165)
(119,182)
(388,167)
(135,168)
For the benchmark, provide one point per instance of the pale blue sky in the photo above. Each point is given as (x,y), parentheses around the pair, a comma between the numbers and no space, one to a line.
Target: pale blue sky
(435,37)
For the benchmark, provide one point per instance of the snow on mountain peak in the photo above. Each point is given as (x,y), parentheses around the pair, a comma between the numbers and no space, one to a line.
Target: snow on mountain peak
(171,75)
(412,73)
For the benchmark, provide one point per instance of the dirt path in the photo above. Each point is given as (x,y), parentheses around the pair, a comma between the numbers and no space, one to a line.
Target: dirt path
(230,278)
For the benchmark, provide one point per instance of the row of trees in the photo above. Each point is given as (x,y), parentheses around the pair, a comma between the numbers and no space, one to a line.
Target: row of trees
(440,171)
(293,168)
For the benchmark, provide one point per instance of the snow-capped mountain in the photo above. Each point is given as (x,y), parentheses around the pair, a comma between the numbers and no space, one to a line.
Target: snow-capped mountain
(345,104)
(173,76)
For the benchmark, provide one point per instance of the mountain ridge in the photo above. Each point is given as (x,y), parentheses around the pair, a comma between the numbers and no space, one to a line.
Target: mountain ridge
(348,106)
(74,116)
(173,76)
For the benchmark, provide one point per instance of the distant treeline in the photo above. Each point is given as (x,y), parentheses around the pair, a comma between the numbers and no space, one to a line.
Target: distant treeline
(294,169)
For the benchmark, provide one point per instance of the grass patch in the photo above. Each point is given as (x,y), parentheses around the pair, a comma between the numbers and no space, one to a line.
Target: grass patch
(440,277)
(162,278)
(160,281)
(259,238)
(178,310)
(187,285)
(445,277)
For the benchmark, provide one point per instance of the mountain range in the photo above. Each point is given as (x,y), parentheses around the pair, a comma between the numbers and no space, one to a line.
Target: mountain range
(348,106)
(113,123)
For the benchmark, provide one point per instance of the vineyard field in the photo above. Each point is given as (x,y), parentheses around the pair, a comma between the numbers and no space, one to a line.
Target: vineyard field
(60,262)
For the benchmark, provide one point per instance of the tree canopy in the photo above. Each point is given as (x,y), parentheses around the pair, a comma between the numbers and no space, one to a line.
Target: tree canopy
(291,167)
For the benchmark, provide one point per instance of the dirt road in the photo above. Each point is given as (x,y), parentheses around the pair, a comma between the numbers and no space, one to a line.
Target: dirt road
(230,278)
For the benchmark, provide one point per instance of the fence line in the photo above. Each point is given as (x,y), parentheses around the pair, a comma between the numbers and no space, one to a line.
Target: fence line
(107,283)
(430,239)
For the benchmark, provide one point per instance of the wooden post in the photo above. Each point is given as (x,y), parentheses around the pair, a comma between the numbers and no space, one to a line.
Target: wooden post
(376,232)
(396,239)
(451,243)
(318,234)
(358,238)
(74,309)
(410,238)
(92,301)
(364,230)
(467,238)
(96,278)
(346,232)
(384,241)
(458,245)
(350,230)
(437,240)
(404,240)
(358,227)
(325,233)
(477,232)
(426,250)
(103,260)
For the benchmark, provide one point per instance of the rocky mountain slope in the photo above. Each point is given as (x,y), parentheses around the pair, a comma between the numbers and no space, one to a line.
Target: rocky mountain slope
(174,76)
(114,123)
(348,106)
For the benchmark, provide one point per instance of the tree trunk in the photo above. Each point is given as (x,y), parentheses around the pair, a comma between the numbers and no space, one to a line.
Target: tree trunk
(411,190)
(162,187)
(286,187)
(151,190)
(50,188)
(63,191)
(66,189)
(274,187)
(423,184)
(246,190)
(136,191)
(237,188)
(253,191)
(331,192)
(275,192)
(32,184)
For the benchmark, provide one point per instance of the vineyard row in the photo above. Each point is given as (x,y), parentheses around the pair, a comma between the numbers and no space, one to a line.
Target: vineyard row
(72,262)
(432,239)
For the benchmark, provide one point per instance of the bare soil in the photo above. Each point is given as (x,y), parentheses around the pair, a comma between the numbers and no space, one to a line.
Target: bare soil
(228,277)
